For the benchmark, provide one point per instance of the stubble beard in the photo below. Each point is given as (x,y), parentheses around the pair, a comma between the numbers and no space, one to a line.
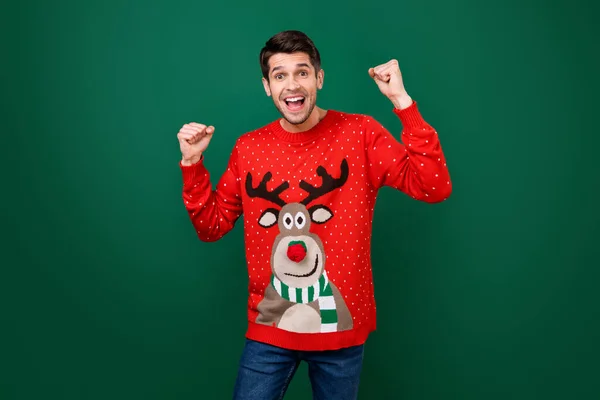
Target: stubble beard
(296,119)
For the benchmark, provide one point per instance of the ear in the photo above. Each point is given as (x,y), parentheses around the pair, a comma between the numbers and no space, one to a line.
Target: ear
(320,79)
(268,218)
(267,88)
(320,214)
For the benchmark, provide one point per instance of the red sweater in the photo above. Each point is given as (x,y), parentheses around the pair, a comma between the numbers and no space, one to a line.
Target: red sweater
(308,201)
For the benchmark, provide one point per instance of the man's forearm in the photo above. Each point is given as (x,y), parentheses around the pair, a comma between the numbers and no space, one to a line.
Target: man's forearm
(401,101)
(187,162)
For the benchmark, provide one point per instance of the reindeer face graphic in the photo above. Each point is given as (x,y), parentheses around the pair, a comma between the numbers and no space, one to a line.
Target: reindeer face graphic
(298,255)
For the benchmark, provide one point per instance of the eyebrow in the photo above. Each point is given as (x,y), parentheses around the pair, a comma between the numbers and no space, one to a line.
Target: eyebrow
(300,65)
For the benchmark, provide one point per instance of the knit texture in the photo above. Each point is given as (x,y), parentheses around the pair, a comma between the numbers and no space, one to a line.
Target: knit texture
(308,201)
(320,291)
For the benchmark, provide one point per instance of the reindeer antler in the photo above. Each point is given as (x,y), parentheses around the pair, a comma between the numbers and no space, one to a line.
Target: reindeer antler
(261,190)
(329,183)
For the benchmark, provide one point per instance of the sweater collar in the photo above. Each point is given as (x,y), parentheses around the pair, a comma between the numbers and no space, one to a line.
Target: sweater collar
(306,136)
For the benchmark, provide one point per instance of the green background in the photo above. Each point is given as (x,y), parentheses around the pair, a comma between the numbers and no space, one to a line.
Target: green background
(106,292)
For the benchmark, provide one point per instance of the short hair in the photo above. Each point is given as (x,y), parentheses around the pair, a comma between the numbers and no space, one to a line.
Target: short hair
(290,41)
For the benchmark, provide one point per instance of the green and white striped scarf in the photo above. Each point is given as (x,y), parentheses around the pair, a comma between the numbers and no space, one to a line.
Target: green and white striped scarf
(320,291)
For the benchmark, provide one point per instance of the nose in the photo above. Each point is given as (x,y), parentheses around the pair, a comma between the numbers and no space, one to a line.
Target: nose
(292,84)
(296,250)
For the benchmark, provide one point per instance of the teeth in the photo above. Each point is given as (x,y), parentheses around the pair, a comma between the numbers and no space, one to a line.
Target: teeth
(294,99)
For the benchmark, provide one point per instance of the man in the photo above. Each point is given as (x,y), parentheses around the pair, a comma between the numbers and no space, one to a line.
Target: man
(307,185)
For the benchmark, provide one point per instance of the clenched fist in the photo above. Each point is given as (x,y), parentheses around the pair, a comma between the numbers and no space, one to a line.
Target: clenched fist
(390,83)
(193,140)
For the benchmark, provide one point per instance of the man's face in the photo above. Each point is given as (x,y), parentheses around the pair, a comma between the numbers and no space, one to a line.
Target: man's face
(293,84)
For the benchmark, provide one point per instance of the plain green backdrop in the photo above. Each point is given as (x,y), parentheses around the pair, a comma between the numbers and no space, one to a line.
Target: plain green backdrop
(106,292)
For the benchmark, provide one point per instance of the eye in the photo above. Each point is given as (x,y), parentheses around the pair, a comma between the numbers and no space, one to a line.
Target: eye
(304,73)
(279,77)
(288,221)
(300,220)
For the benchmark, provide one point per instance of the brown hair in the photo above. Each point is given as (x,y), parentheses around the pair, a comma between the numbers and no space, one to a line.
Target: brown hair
(289,42)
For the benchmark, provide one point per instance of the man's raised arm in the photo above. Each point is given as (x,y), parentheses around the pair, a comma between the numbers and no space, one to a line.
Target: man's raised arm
(212,212)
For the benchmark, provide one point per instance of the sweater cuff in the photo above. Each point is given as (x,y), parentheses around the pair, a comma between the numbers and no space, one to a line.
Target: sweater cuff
(410,116)
(193,173)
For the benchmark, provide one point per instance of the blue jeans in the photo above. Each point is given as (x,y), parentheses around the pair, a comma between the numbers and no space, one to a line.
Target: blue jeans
(266,371)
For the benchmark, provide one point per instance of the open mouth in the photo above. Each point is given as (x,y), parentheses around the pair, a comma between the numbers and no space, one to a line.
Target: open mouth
(309,273)
(294,103)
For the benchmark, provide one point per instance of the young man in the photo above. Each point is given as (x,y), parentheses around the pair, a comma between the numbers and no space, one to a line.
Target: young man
(307,185)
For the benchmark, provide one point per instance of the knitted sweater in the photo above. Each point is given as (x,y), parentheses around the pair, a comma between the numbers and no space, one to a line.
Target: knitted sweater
(308,201)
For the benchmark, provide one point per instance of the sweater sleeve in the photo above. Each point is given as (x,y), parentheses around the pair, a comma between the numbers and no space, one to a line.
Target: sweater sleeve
(213,212)
(416,165)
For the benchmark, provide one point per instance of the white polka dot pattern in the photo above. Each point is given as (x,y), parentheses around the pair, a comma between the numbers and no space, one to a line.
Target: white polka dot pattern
(416,166)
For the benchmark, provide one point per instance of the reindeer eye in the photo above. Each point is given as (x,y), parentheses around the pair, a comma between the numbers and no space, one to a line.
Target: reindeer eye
(288,221)
(300,220)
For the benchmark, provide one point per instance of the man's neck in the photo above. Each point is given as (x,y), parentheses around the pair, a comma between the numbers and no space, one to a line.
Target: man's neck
(315,117)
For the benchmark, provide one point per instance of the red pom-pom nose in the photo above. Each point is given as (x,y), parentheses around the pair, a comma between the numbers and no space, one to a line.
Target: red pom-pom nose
(296,251)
